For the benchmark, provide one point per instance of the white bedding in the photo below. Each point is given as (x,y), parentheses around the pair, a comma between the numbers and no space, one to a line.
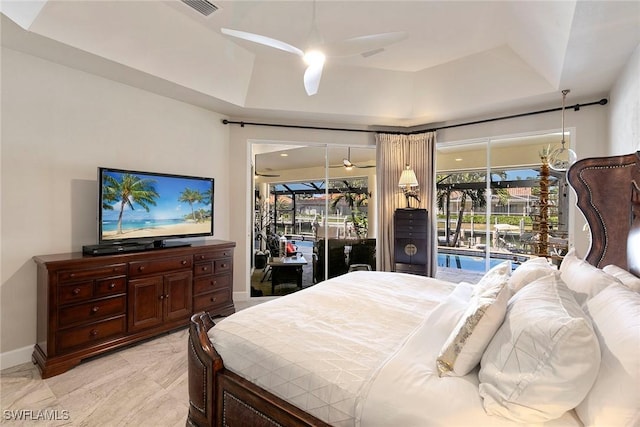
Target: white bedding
(360,350)
(420,396)
(319,356)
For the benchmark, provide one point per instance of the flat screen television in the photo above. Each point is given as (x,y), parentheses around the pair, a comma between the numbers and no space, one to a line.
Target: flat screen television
(151,208)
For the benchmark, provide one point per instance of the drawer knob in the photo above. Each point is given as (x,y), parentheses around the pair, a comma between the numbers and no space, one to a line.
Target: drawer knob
(112,285)
(201,257)
(213,283)
(184,262)
(76,291)
(72,275)
(223,265)
(167,296)
(94,332)
(95,309)
(161,297)
(141,268)
(213,299)
(226,253)
(205,268)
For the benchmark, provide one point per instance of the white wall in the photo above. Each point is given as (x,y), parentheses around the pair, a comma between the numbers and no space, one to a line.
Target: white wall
(624,132)
(58,126)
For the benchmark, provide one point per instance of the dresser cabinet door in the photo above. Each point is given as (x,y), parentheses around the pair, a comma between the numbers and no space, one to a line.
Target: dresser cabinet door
(146,299)
(178,295)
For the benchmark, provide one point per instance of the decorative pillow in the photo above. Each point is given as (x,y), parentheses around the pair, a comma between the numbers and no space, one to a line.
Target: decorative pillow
(484,314)
(583,278)
(614,399)
(544,358)
(444,317)
(629,280)
(529,271)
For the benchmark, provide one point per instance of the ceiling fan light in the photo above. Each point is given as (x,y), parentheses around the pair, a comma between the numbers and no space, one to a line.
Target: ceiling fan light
(314,57)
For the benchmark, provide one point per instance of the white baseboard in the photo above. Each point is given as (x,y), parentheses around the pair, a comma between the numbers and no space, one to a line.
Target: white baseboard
(241,296)
(12,358)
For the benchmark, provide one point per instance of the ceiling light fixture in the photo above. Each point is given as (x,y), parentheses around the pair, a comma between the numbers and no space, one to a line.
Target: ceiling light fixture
(561,158)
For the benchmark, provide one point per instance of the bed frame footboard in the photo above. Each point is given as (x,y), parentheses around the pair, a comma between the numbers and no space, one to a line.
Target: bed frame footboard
(218,397)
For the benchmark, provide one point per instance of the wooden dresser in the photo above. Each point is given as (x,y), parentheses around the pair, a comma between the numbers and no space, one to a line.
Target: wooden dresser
(411,244)
(88,305)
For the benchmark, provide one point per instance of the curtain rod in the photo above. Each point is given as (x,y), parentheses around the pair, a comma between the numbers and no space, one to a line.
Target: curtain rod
(575,107)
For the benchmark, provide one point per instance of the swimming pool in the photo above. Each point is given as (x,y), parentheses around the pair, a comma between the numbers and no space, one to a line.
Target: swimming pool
(468,262)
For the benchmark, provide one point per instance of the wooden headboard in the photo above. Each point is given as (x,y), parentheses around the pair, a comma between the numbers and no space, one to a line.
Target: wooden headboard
(608,191)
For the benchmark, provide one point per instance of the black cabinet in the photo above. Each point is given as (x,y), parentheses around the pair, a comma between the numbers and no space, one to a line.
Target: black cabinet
(411,244)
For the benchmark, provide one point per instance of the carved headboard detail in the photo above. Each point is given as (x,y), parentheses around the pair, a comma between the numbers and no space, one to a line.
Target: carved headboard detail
(609,197)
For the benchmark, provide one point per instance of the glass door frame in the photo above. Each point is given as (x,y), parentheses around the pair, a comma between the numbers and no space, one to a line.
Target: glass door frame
(327,147)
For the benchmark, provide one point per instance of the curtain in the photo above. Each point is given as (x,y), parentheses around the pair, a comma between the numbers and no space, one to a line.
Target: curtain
(393,152)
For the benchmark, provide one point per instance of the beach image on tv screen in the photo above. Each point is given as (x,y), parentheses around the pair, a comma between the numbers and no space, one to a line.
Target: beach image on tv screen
(138,206)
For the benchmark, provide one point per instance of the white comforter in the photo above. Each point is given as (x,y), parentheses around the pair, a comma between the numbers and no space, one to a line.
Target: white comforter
(358,349)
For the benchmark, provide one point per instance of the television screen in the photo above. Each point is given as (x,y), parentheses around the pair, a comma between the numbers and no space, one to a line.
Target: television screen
(152,207)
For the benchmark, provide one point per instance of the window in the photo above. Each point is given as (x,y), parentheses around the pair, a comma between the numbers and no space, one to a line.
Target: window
(490,206)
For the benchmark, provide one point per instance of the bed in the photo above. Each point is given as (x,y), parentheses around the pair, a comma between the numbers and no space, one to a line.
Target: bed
(535,345)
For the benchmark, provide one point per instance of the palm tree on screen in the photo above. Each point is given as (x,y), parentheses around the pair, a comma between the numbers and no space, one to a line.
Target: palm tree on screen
(127,191)
(191,196)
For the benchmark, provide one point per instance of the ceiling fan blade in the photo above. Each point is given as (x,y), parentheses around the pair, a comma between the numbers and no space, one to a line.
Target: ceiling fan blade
(365,45)
(312,78)
(263,40)
(364,167)
(266,175)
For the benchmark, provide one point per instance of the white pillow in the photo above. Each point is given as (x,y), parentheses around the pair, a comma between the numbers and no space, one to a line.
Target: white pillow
(614,399)
(583,278)
(544,358)
(629,280)
(444,317)
(484,314)
(529,271)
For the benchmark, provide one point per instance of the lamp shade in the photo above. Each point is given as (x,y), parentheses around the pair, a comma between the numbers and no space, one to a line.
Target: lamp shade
(408,178)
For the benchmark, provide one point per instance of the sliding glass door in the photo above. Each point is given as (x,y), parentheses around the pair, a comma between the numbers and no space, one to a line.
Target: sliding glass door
(313,200)
(489,204)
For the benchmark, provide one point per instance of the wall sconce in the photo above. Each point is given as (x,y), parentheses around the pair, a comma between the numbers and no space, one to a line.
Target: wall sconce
(409,183)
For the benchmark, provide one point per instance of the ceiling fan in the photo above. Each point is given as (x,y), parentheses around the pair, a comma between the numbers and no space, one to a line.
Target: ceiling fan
(348,165)
(316,50)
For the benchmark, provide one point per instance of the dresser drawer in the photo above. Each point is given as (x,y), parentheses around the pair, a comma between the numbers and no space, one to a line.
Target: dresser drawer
(77,292)
(91,311)
(211,300)
(410,234)
(110,286)
(140,268)
(90,334)
(93,273)
(204,256)
(210,283)
(413,214)
(203,268)
(411,268)
(410,224)
(222,265)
